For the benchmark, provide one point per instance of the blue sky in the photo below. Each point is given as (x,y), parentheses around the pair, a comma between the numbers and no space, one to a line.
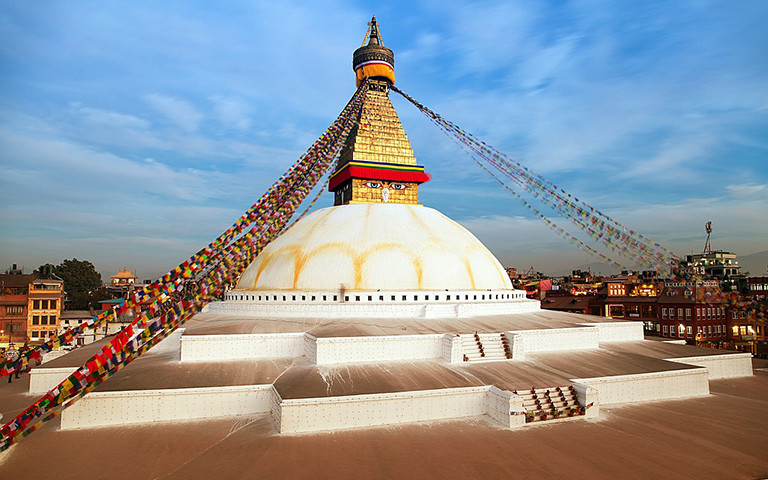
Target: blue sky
(132,133)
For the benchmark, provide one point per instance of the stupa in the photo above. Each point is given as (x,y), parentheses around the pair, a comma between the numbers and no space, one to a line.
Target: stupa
(376,311)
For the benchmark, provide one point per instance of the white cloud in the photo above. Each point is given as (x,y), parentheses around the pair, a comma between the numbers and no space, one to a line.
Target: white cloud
(752,191)
(233,113)
(179,111)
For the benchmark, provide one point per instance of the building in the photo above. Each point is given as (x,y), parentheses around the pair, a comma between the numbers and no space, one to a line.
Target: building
(123,282)
(571,303)
(757,287)
(14,294)
(30,307)
(695,312)
(715,264)
(44,306)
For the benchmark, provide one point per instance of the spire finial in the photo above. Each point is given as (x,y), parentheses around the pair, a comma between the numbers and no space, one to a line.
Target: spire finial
(375,38)
(374,60)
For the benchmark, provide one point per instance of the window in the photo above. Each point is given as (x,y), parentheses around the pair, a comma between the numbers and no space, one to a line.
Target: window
(671,329)
(426,297)
(357,298)
(689,330)
(14,310)
(35,319)
(664,313)
(709,328)
(687,313)
(679,313)
(671,313)
(666,329)
(36,304)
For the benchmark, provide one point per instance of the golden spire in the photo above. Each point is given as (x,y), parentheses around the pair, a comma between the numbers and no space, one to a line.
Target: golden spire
(376,164)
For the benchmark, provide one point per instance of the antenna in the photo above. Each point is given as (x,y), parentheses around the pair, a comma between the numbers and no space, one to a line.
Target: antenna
(707,244)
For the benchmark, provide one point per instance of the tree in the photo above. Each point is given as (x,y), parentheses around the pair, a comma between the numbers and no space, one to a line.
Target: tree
(82,283)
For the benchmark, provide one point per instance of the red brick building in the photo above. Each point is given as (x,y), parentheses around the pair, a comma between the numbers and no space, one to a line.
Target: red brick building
(14,290)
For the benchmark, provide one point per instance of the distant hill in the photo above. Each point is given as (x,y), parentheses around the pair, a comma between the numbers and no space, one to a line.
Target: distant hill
(594,267)
(755,264)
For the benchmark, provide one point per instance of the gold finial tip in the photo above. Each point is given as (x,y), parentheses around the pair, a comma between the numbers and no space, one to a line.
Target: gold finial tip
(374,59)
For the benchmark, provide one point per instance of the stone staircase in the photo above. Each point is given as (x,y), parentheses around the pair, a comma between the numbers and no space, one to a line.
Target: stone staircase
(550,403)
(485,347)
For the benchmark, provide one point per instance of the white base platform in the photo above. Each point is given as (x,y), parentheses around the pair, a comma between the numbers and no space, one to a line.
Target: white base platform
(452,351)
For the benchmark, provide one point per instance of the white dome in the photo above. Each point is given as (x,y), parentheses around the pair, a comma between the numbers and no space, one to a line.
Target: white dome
(375,247)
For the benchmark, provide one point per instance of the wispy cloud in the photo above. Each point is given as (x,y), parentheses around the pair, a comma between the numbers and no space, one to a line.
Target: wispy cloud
(179,111)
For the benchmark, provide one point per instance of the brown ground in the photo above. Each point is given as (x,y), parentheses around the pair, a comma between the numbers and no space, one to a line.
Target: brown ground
(720,436)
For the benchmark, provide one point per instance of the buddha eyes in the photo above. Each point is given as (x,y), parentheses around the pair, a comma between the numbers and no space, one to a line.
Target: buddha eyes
(393,186)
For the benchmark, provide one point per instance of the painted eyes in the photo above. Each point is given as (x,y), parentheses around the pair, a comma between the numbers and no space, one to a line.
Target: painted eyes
(393,186)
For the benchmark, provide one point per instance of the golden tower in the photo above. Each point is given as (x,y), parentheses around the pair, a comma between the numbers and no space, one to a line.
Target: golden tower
(376,164)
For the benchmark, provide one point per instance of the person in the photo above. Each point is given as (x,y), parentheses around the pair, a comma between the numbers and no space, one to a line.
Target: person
(11,355)
(24,364)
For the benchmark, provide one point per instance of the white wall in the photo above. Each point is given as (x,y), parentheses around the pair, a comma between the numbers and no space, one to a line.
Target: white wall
(619,331)
(589,398)
(331,413)
(131,407)
(721,366)
(171,343)
(42,379)
(552,340)
(430,304)
(335,350)
(505,407)
(644,387)
(212,348)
